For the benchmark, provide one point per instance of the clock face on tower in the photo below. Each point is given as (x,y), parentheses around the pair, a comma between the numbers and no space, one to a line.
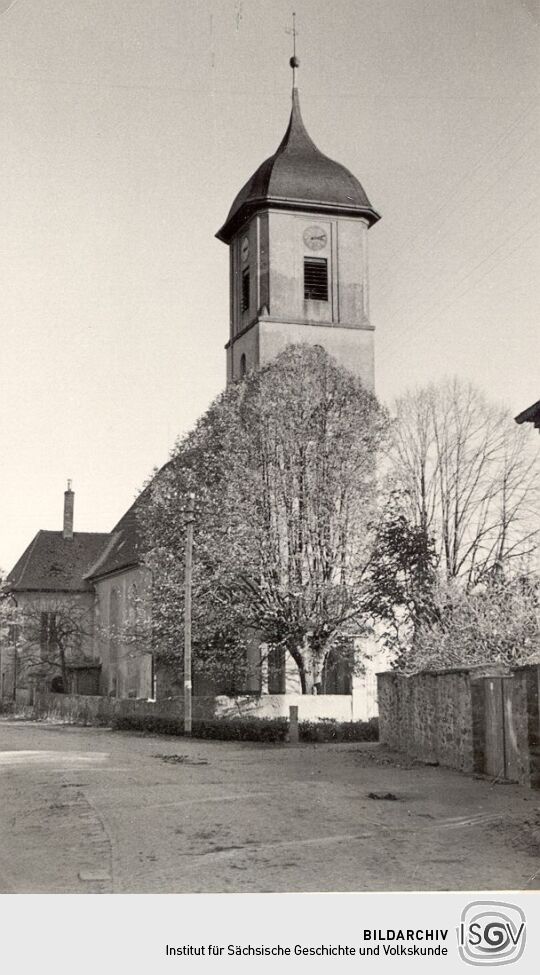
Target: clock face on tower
(244,250)
(315,238)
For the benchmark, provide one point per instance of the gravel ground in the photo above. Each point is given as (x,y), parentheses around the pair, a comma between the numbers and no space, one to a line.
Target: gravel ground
(88,810)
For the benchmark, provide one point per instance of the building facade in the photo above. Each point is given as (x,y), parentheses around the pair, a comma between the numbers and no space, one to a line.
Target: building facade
(51,637)
(297,234)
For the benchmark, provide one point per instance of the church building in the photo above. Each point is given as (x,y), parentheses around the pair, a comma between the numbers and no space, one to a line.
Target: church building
(297,234)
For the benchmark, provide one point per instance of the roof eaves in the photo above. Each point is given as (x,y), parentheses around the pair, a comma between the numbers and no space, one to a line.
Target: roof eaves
(226,232)
(44,589)
(16,583)
(117,570)
(93,572)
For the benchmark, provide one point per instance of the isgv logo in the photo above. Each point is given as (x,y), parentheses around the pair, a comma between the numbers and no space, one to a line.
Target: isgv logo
(491,933)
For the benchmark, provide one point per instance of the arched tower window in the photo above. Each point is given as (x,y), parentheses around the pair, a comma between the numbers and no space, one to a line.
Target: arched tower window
(243,366)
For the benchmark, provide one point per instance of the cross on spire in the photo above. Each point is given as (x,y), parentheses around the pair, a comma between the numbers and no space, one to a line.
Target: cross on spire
(294,62)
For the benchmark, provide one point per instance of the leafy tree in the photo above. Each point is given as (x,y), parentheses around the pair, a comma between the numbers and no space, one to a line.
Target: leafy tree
(45,637)
(283,468)
(403,577)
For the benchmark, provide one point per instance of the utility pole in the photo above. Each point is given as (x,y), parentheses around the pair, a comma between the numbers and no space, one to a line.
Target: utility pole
(187,613)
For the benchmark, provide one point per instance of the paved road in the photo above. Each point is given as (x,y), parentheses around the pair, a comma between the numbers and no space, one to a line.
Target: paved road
(88,810)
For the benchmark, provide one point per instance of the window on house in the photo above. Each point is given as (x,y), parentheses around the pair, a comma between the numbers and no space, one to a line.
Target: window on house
(243,366)
(114,642)
(245,289)
(276,670)
(338,670)
(48,635)
(14,632)
(315,279)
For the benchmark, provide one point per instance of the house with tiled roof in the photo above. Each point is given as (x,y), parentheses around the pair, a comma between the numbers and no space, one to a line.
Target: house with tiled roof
(46,583)
(97,578)
(94,578)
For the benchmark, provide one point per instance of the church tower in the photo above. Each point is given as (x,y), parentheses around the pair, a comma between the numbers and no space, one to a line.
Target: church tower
(297,234)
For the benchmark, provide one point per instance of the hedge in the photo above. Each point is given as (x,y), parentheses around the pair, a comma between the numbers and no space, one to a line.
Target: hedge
(329,730)
(251,729)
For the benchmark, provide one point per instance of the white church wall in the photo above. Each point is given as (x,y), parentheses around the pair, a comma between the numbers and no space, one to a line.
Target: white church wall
(374,659)
(126,666)
(311,707)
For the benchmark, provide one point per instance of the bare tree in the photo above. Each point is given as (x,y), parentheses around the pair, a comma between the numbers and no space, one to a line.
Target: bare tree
(469,479)
(47,636)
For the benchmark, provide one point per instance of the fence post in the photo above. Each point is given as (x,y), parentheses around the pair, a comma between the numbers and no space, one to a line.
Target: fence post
(293,724)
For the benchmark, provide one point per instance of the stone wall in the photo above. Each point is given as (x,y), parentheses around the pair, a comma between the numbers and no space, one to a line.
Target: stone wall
(93,710)
(454,721)
(531,720)
(466,719)
(428,715)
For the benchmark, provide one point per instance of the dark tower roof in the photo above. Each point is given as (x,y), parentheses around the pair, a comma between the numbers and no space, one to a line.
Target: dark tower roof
(299,176)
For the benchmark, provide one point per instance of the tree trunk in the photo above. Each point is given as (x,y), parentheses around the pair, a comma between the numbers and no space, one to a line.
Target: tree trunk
(297,655)
(309,665)
(64,670)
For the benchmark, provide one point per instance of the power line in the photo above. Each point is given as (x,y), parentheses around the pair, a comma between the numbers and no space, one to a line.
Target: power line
(416,255)
(451,192)
(431,282)
(13,4)
(410,287)
(450,195)
(420,324)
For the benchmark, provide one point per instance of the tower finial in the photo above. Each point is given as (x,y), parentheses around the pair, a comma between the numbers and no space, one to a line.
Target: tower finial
(294,62)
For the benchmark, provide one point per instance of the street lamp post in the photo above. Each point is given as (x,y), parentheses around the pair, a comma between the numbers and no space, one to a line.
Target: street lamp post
(187,614)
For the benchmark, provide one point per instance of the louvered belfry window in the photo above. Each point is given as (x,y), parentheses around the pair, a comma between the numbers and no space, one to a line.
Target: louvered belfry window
(315,279)
(245,289)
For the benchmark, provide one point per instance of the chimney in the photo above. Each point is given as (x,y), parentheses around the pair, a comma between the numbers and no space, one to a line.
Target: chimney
(69,499)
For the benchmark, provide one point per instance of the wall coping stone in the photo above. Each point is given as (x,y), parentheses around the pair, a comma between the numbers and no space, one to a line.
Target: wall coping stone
(477,670)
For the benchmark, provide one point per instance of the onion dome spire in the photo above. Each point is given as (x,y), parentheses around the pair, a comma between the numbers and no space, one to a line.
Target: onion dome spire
(298,176)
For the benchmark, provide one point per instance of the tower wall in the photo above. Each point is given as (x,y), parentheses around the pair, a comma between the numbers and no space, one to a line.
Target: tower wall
(345,251)
(352,348)
(278,314)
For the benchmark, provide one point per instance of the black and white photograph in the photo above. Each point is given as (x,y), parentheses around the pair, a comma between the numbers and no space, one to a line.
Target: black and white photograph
(269,491)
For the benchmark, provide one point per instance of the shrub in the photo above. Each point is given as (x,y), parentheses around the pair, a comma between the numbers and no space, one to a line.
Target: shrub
(236,729)
(328,730)
(250,729)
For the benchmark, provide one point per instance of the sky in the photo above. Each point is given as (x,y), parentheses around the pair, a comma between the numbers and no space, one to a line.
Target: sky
(128,126)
